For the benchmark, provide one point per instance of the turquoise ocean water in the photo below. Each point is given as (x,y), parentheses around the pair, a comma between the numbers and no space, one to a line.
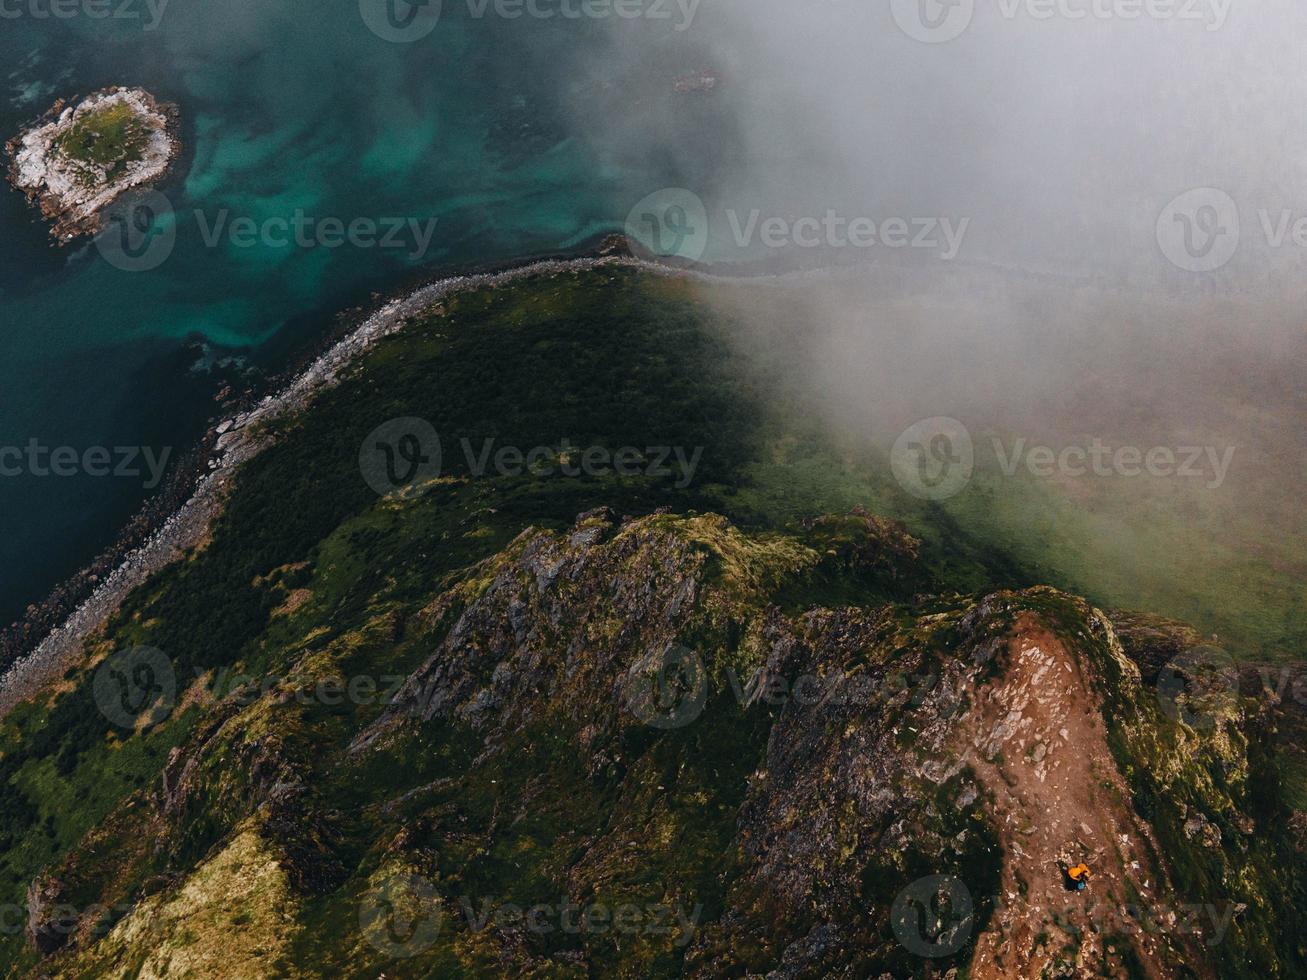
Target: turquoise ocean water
(289,108)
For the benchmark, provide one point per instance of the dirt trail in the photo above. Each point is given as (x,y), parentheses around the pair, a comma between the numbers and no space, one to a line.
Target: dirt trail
(1038,743)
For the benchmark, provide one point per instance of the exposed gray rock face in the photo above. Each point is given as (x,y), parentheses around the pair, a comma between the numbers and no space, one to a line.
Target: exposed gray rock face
(613,594)
(49,921)
(73,193)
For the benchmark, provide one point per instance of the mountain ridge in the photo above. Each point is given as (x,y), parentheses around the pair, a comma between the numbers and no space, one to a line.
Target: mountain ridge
(452,727)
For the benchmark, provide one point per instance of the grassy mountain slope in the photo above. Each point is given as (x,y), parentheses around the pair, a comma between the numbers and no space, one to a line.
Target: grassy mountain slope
(693,725)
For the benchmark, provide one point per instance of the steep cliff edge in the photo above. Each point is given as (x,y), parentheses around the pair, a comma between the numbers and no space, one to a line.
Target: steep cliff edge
(618,716)
(625,724)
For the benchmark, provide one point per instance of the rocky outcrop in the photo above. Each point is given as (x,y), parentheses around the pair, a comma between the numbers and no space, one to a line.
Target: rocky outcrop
(578,620)
(621,709)
(50,920)
(73,193)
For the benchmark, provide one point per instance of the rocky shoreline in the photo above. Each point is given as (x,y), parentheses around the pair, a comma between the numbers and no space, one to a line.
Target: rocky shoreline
(64,604)
(58,186)
(240,438)
(43,616)
(49,638)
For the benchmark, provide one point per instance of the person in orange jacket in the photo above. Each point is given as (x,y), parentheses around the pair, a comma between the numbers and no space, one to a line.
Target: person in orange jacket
(1079,876)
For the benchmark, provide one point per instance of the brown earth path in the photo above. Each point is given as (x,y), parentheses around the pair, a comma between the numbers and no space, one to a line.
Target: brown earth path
(1037,742)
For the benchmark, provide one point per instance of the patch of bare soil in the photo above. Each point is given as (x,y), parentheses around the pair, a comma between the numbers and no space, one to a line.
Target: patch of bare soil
(1037,741)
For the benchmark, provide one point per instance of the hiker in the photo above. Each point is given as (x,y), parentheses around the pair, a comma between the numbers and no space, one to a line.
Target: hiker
(1079,876)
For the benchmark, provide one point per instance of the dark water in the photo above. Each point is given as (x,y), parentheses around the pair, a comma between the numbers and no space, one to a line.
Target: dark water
(290,108)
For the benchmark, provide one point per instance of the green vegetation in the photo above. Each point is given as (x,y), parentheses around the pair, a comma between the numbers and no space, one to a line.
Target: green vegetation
(528,782)
(1149,546)
(103,142)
